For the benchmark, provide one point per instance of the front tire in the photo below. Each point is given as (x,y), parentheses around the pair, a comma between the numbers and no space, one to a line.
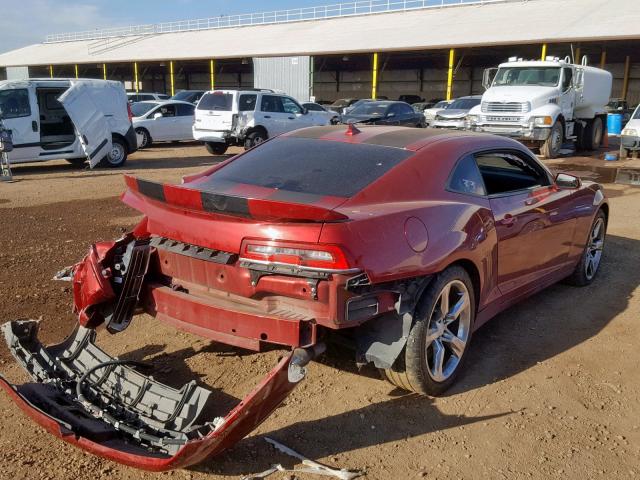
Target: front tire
(588,266)
(216,148)
(117,156)
(552,145)
(439,339)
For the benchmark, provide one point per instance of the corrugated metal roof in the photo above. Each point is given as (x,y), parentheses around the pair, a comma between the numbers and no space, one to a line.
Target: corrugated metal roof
(533,21)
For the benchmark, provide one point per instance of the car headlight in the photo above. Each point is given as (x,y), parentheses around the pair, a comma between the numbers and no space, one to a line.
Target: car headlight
(473,119)
(543,121)
(630,132)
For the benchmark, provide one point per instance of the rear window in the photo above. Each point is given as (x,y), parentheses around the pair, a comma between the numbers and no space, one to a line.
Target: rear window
(216,101)
(310,166)
(139,109)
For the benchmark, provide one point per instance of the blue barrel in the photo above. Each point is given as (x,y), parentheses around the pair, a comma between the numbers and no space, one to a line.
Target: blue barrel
(614,123)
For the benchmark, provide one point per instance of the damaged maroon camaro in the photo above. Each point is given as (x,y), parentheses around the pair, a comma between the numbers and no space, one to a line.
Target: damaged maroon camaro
(397,242)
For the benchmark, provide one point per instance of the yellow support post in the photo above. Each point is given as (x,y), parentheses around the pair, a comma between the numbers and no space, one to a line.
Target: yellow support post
(135,76)
(578,60)
(452,57)
(625,82)
(104,71)
(543,55)
(51,71)
(173,83)
(212,72)
(374,78)
(76,67)
(603,59)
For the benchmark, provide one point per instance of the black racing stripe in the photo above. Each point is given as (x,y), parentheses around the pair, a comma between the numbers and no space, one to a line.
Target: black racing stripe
(212,202)
(401,138)
(151,190)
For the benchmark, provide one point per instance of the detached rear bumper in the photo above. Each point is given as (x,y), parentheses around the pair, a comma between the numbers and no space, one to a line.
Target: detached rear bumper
(122,415)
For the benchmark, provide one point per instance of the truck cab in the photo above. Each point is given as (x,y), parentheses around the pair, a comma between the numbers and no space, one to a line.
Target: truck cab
(77,120)
(544,103)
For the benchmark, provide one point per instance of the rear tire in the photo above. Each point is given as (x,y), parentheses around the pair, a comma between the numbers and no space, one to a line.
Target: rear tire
(254,138)
(216,148)
(440,337)
(552,145)
(146,138)
(117,156)
(592,135)
(589,263)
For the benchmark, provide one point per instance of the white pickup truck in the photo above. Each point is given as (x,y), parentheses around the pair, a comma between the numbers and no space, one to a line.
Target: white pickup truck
(544,103)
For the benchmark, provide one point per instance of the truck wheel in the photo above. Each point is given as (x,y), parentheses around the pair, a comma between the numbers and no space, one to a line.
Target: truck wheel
(146,138)
(216,148)
(117,156)
(552,145)
(254,138)
(439,339)
(592,135)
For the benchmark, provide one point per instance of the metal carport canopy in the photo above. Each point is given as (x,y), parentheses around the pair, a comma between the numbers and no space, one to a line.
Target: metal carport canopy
(514,22)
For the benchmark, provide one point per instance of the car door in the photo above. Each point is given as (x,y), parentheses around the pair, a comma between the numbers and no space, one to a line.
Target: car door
(405,115)
(533,224)
(166,127)
(19,111)
(185,118)
(296,116)
(272,115)
(568,96)
(90,122)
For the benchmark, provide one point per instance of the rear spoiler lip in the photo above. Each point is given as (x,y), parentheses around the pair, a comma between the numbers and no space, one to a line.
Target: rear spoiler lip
(250,208)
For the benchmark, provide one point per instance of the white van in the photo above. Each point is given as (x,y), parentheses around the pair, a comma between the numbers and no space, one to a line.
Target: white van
(630,137)
(248,117)
(76,120)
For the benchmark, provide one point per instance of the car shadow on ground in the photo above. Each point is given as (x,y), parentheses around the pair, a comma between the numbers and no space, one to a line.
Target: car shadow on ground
(541,327)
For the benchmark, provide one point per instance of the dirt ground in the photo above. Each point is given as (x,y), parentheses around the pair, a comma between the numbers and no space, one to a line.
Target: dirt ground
(551,388)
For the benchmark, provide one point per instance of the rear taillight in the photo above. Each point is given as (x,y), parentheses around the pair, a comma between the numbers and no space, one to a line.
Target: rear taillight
(129,112)
(326,257)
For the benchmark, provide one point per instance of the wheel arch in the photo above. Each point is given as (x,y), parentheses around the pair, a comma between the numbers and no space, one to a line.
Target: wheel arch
(474,274)
(257,128)
(123,139)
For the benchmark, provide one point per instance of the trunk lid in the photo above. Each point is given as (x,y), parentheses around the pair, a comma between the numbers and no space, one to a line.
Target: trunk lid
(220,221)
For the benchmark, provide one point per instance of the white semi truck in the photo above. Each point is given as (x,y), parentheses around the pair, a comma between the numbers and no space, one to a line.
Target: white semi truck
(544,103)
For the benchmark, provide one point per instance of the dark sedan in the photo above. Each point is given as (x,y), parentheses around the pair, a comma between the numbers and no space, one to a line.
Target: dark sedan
(385,113)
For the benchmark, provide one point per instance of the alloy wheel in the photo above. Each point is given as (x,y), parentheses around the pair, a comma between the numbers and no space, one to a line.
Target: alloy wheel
(448,331)
(594,249)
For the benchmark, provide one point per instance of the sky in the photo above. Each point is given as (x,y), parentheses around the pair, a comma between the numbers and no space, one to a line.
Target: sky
(35,19)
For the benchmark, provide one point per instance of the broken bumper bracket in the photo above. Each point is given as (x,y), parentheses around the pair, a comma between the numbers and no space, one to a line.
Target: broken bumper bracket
(125,416)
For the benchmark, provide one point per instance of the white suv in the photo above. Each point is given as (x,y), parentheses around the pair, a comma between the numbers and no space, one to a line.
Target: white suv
(248,117)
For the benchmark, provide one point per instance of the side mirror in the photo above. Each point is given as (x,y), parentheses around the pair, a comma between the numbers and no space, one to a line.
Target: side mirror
(488,76)
(305,110)
(564,180)
(157,115)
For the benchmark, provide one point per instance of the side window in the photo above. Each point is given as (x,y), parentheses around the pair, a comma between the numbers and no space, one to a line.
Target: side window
(14,103)
(168,110)
(247,103)
(271,103)
(290,106)
(504,172)
(144,97)
(402,109)
(185,110)
(312,107)
(567,78)
(466,178)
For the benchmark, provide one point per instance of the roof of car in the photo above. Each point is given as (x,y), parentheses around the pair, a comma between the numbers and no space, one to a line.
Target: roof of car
(164,102)
(399,137)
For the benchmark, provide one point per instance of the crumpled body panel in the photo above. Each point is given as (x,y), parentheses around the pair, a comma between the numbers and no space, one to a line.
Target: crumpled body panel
(125,416)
